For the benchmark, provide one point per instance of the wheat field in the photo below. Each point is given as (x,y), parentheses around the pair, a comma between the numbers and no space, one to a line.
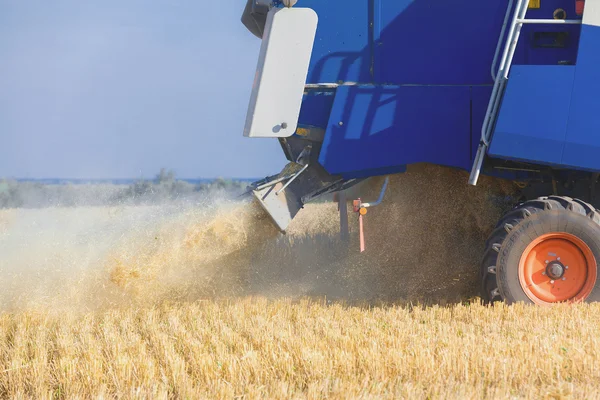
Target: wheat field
(259,348)
(206,300)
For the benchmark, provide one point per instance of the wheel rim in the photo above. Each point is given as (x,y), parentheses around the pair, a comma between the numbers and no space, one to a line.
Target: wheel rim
(557,267)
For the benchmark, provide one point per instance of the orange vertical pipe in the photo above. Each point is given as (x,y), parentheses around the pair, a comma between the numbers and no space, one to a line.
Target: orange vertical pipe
(361,233)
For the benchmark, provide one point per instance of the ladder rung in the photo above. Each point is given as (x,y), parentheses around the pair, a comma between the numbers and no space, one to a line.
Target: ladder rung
(550,21)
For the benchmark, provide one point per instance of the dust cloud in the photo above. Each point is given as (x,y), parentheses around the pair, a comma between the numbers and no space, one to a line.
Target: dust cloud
(423,243)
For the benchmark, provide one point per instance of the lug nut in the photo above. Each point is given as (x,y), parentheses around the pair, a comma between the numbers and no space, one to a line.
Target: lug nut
(547,261)
(544,273)
(564,279)
(558,258)
(552,281)
(566,267)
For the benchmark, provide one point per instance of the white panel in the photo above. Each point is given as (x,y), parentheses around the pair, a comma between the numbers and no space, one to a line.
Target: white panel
(591,14)
(281,73)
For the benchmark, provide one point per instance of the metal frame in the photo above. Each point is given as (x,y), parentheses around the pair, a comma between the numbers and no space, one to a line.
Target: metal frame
(501,78)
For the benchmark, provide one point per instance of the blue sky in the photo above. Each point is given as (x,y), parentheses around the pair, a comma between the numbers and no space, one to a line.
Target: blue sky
(119,89)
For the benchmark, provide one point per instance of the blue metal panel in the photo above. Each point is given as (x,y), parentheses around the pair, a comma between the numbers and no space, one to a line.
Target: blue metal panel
(582,148)
(373,128)
(433,42)
(342,46)
(436,42)
(532,124)
(316,107)
(425,41)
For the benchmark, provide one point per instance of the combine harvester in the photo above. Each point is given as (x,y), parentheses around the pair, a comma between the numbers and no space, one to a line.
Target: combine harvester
(506,88)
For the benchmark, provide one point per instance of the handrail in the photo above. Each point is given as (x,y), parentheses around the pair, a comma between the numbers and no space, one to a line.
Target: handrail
(501,76)
(505,63)
(504,25)
(550,21)
(497,91)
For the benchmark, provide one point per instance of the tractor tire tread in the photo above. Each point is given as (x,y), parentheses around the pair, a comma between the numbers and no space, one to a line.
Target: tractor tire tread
(522,211)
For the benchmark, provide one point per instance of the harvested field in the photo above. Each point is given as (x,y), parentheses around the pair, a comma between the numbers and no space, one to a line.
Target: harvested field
(257,348)
(206,300)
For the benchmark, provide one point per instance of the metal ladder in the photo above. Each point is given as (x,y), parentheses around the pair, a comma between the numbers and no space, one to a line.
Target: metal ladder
(501,76)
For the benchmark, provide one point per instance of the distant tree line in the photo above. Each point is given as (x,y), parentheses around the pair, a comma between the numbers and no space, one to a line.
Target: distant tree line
(164,186)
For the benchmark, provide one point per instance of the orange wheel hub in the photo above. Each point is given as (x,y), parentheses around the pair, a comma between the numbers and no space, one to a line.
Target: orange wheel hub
(557,267)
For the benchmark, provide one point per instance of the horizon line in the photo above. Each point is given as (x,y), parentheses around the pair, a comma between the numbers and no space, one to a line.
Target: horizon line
(126,179)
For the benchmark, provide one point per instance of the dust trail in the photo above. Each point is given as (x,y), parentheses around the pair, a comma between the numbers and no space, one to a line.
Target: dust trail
(427,241)
(95,257)
(423,243)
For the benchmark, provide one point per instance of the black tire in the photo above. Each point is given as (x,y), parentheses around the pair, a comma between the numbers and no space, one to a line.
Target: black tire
(522,225)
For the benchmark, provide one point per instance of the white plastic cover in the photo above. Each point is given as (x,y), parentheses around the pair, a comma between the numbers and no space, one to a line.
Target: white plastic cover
(281,73)
(591,15)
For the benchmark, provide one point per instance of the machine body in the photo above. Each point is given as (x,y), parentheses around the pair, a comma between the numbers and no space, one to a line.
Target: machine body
(504,88)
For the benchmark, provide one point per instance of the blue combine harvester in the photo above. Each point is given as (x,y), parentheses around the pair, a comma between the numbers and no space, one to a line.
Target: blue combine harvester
(506,88)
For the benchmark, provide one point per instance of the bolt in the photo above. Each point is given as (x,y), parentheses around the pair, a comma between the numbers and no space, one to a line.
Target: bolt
(564,279)
(552,281)
(544,273)
(284,125)
(558,258)
(566,267)
(340,123)
(547,261)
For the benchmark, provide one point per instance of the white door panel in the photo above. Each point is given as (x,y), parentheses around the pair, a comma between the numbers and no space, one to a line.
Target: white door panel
(281,72)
